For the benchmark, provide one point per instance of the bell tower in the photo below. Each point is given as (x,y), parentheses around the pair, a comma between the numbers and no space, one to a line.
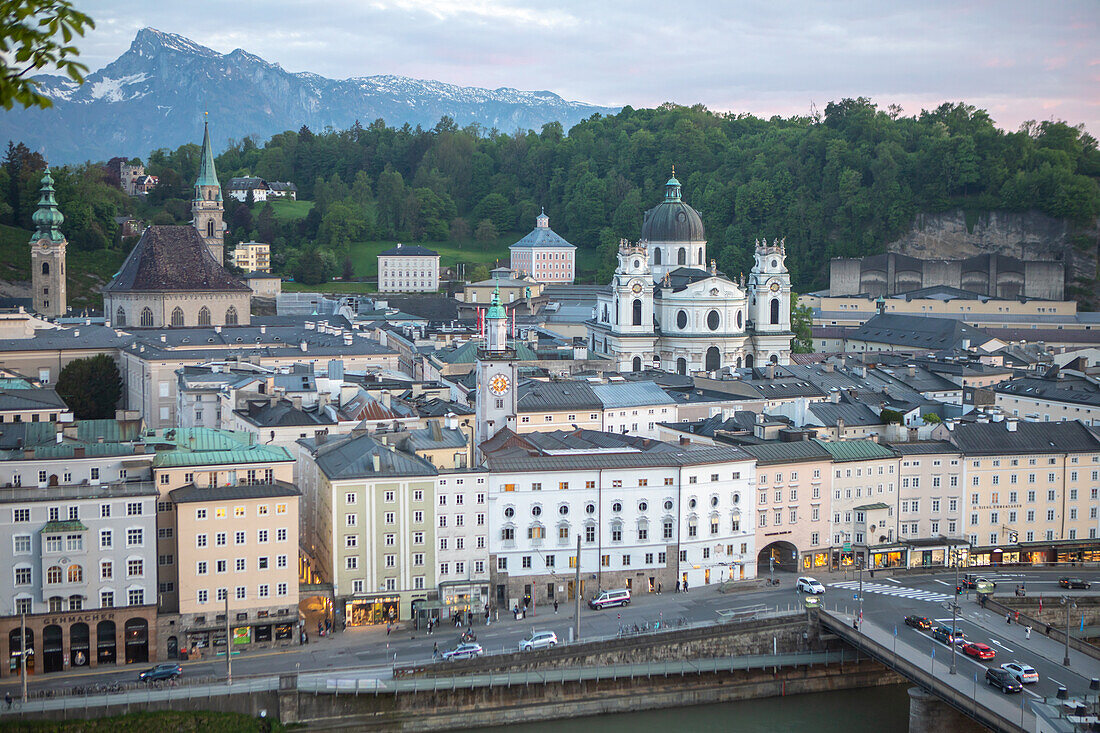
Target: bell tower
(207,208)
(48,254)
(632,291)
(770,288)
(497,374)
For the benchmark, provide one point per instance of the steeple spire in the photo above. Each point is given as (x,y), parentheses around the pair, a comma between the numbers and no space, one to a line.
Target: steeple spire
(208,176)
(47,219)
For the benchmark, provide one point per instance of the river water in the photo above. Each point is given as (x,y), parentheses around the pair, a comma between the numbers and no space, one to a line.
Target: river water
(878,709)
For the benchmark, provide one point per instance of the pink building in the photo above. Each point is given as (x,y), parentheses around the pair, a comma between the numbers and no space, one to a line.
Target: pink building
(544,255)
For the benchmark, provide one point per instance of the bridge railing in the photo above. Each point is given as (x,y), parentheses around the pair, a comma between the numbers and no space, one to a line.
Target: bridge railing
(1051,630)
(146,695)
(960,701)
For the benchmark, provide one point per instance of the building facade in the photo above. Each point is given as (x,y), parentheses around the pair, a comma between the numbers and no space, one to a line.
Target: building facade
(408,268)
(252,257)
(48,247)
(543,255)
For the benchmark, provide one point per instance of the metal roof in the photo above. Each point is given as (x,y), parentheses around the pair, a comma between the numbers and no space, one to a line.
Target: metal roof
(616,395)
(924,447)
(780,452)
(352,456)
(855,450)
(571,395)
(408,250)
(522,462)
(208,447)
(920,332)
(994,438)
(543,236)
(192,493)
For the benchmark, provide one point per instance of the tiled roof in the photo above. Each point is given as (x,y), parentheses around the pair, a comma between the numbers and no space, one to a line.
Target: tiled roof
(918,332)
(542,237)
(1068,389)
(855,450)
(31,399)
(852,413)
(408,250)
(173,258)
(520,461)
(245,183)
(191,493)
(434,437)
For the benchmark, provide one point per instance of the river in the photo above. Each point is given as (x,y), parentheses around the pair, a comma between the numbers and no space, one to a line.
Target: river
(879,709)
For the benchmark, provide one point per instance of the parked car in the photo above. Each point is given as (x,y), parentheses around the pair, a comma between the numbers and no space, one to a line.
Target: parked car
(809,585)
(1023,673)
(538,640)
(609,598)
(943,634)
(919,622)
(1075,583)
(997,677)
(464,651)
(166,671)
(981,651)
(971,581)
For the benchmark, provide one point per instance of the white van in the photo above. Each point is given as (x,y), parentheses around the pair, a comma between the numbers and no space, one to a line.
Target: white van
(609,598)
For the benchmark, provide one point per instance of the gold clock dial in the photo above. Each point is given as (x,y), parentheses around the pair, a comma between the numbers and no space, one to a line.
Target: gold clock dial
(498,384)
(636,287)
(775,287)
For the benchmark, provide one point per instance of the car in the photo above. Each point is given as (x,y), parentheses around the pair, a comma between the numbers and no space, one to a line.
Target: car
(919,622)
(1075,583)
(467,650)
(1023,673)
(997,677)
(166,671)
(981,651)
(809,585)
(943,634)
(609,598)
(538,640)
(971,581)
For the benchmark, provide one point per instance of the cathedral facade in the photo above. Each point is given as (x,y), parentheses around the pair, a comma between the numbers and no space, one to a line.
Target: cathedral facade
(667,309)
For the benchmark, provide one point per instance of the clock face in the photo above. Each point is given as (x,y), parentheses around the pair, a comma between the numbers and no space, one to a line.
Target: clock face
(636,287)
(498,384)
(775,287)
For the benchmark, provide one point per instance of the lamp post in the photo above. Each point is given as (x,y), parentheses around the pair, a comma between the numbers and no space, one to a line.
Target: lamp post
(954,611)
(1069,606)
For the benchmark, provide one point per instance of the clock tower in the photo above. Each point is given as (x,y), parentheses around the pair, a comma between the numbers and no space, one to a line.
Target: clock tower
(48,254)
(770,288)
(632,291)
(495,408)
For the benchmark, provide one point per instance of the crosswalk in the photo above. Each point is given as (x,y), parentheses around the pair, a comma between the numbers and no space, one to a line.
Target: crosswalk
(899,591)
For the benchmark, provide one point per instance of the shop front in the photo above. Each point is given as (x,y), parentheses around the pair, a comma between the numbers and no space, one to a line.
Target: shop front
(815,560)
(371,611)
(56,642)
(245,631)
(937,552)
(893,556)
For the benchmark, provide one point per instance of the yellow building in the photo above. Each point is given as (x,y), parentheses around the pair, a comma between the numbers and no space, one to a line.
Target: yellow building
(252,257)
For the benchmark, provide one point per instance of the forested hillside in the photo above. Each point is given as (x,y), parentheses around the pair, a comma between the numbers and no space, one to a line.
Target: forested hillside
(843,183)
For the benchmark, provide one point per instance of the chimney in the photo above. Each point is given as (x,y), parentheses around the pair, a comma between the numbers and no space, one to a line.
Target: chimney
(1011,423)
(164,338)
(376,461)
(839,428)
(771,371)
(912,370)
(303,346)
(320,436)
(217,329)
(685,440)
(263,329)
(296,400)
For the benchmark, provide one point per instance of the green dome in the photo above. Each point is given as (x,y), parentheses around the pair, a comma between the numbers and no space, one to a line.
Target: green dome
(496,310)
(47,219)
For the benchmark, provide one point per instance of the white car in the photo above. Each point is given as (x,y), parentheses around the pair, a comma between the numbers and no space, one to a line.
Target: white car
(464,651)
(538,640)
(809,585)
(1024,674)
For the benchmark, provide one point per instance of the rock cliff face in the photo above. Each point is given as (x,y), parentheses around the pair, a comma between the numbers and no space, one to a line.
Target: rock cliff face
(1028,236)
(154,95)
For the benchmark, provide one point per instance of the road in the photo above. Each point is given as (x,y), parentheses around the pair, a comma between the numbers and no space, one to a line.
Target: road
(885,604)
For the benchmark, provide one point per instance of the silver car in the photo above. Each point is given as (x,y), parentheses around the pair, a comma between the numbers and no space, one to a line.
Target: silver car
(538,640)
(464,651)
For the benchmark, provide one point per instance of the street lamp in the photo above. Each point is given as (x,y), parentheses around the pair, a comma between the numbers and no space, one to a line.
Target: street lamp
(1069,606)
(954,611)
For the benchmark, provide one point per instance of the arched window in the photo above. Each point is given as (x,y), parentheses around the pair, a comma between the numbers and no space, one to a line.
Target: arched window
(739,320)
(120,317)
(749,361)
(177,316)
(210,228)
(775,311)
(774,359)
(146,317)
(739,362)
(204,316)
(714,359)
(656,255)
(681,365)
(637,309)
(76,574)
(45,268)
(231,316)
(53,574)
(605,312)
(637,364)
(681,256)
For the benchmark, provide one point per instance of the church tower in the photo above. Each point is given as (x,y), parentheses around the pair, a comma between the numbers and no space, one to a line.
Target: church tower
(632,291)
(495,408)
(770,288)
(207,207)
(48,255)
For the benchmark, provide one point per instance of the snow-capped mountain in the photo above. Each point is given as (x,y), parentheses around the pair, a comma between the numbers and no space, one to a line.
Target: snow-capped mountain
(154,96)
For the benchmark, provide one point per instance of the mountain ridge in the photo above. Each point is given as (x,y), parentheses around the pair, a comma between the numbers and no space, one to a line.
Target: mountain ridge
(154,95)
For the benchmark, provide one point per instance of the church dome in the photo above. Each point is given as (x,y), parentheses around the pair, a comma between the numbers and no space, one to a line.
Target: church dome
(672,220)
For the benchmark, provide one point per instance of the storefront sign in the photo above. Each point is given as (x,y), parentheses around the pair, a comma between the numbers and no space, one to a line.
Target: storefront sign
(77,618)
(242,635)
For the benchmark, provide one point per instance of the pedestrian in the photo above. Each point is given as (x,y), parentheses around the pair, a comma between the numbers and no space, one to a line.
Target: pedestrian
(555,605)
(1027,632)
(389,628)
(658,589)
(1017,618)
(7,699)
(1008,618)
(685,586)
(435,650)
(677,586)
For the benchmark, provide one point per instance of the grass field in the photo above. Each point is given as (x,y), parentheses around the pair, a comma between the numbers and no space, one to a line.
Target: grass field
(332,287)
(286,210)
(87,271)
(364,255)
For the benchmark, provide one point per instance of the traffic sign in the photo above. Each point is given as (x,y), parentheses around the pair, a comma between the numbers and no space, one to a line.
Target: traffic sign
(847,546)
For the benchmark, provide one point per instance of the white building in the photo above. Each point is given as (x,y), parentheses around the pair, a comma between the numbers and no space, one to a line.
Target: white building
(408,268)
(238,188)
(649,515)
(667,309)
(544,255)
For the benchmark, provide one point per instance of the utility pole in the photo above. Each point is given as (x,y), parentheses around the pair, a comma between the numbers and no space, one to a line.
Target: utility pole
(1069,605)
(954,610)
(228,644)
(860,556)
(23,653)
(577,594)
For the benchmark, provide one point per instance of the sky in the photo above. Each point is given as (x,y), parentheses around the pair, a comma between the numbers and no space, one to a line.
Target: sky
(1019,59)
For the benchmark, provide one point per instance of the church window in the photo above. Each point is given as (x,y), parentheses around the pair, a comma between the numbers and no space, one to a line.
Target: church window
(231,316)
(775,264)
(637,364)
(120,317)
(713,320)
(177,316)
(681,365)
(739,319)
(681,320)
(681,257)
(775,311)
(637,308)
(775,360)
(713,359)
(204,316)
(749,361)
(210,228)
(45,268)
(146,317)
(605,312)
(700,256)
(657,255)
